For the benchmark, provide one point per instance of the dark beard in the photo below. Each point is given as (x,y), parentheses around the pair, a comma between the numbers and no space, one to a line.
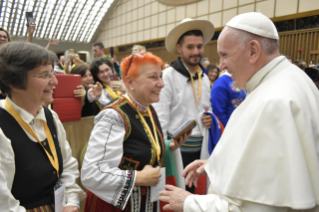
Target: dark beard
(188,62)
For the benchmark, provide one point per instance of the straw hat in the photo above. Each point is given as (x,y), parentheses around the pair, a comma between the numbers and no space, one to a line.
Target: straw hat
(188,24)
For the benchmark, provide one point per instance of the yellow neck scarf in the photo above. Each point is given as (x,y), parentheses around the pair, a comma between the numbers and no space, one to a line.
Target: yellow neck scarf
(199,86)
(113,94)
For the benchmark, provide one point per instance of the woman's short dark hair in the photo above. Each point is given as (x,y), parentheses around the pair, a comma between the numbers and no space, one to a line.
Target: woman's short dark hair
(80,69)
(17,59)
(211,67)
(94,68)
(9,38)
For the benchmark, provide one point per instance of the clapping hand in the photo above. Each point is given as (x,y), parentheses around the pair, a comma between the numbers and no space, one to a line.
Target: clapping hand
(96,90)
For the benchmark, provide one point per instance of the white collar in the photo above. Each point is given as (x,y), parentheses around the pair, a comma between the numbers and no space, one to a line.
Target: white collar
(25,115)
(138,105)
(256,79)
(189,71)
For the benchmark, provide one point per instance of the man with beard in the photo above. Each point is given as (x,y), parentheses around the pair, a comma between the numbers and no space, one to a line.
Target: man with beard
(186,94)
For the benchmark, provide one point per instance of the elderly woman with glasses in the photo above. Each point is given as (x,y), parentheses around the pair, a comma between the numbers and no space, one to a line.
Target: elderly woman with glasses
(126,149)
(35,157)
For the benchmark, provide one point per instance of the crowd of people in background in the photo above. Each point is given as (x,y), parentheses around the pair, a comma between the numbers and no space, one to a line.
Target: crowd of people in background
(138,102)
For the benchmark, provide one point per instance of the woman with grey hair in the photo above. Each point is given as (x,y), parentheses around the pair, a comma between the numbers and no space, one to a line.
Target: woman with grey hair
(35,157)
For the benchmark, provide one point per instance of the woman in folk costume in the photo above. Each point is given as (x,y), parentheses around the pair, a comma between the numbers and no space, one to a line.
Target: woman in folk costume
(126,148)
(34,153)
(105,90)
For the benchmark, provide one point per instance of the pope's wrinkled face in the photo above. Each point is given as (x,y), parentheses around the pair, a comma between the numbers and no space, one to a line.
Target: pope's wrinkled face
(233,58)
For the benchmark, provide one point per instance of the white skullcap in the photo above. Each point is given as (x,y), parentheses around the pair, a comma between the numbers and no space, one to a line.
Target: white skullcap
(255,23)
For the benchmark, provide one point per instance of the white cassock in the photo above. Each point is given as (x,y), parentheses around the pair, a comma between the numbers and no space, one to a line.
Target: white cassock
(267,159)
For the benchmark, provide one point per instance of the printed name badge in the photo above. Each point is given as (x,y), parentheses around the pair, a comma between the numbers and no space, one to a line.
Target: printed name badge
(159,187)
(59,198)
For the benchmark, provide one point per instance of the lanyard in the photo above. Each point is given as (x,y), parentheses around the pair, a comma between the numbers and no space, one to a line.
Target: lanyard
(111,92)
(54,161)
(199,86)
(154,141)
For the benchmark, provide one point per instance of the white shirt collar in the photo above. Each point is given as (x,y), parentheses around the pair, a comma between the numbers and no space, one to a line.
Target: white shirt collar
(25,115)
(255,80)
(190,72)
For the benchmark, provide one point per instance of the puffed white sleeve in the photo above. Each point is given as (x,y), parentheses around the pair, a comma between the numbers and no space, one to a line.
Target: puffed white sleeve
(162,107)
(74,193)
(103,100)
(7,166)
(100,170)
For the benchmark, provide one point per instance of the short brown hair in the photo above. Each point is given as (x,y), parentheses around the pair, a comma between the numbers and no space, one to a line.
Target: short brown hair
(80,69)
(17,59)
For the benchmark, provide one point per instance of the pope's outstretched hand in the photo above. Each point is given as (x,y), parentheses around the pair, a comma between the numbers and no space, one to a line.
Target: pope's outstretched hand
(193,171)
(175,197)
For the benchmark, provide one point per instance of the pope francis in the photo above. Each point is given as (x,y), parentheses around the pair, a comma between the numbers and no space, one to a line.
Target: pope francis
(268,156)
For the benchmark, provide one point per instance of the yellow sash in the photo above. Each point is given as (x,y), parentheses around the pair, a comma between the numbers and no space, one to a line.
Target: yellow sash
(153,140)
(113,94)
(199,86)
(54,161)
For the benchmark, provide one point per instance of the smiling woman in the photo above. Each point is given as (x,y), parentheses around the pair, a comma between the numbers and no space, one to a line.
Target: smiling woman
(88,108)
(34,155)
(4,36)
(123,170)
(105,90)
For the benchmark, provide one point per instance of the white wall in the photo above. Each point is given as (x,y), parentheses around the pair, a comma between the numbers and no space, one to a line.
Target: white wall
(134,21)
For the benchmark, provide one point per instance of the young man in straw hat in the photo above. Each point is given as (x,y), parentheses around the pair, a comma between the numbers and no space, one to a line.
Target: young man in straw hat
(186,94)
(268,156)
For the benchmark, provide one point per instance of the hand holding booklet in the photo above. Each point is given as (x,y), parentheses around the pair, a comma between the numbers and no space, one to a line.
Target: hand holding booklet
(186,127)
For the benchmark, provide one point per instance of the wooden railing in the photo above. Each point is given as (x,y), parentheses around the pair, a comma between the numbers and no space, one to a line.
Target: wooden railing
(306,40)
(290,42)
(78,134)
